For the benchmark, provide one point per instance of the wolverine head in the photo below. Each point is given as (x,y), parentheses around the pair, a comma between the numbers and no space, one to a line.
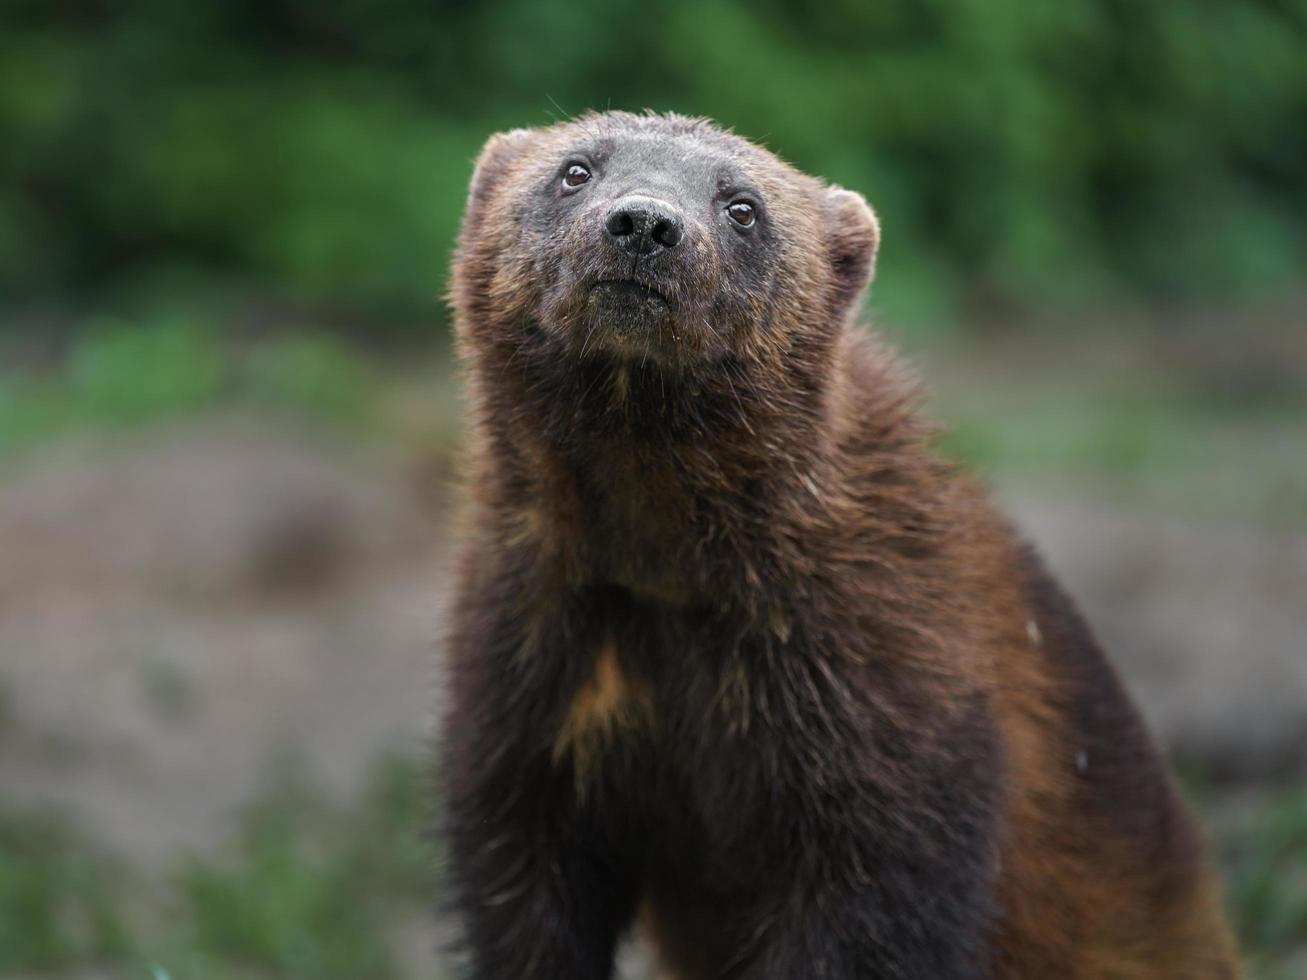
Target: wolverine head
(654,239)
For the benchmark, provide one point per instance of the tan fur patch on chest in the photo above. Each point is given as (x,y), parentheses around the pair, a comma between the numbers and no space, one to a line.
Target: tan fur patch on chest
(606,704)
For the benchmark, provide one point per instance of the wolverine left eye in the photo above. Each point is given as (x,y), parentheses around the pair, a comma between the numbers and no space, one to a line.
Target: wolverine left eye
(575,176)
(742,213)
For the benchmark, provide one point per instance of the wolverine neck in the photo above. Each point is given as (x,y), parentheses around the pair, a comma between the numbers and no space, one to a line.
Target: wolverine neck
(683,484)
(582,404)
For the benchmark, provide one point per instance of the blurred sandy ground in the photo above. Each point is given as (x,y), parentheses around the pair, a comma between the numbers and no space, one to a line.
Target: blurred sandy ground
(188,609)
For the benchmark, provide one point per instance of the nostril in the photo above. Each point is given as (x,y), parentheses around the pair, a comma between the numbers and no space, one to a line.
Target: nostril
(641,226)
(667,232)
(620,224)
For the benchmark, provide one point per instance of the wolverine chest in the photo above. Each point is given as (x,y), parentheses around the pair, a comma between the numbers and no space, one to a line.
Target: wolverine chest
(674,728)
(608,715)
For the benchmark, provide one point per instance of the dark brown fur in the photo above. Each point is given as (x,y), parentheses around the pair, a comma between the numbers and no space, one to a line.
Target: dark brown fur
(731,645)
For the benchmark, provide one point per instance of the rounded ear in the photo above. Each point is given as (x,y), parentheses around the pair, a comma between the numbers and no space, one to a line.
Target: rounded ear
(499,153)
(852,236)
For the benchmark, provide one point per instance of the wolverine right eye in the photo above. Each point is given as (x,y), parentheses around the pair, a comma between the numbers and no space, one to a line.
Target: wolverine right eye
(576,176)
(742,213)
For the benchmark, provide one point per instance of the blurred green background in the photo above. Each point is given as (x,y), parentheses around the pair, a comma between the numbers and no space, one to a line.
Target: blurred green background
(227,415)
(1023,156)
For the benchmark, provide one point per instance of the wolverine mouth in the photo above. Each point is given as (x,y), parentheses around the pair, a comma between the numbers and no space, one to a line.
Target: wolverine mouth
(624,317)
(618,289)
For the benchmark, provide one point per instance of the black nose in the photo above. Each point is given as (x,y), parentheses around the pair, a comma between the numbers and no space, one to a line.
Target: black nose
(643,225)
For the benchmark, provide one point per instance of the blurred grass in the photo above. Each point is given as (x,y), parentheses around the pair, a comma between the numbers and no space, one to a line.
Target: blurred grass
(313,891)
(310,895)
(117,375)
(309,891)
(58,898)
(1262,843)
(1175,450)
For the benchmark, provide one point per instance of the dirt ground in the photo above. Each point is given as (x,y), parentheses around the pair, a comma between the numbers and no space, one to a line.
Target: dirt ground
(186,614)
(186,610)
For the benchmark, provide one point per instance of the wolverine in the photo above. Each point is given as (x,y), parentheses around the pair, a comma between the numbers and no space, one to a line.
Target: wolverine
(734,655)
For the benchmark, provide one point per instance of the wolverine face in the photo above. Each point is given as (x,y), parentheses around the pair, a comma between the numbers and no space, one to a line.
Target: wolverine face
(660,245)
(658,239)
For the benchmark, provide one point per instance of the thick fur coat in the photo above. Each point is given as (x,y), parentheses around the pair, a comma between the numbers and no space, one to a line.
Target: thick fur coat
(733,653)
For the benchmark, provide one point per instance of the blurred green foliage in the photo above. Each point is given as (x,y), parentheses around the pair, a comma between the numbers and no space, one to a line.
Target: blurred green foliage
(284,907)
(310,891)
(57,903)
(1022,155)
(121,374)
(1264,851)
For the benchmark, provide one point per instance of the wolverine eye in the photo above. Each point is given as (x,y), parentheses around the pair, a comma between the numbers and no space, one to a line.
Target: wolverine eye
(576,176)
(742,213)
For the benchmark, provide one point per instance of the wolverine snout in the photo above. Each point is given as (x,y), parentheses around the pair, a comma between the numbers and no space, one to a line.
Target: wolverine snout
(640,225)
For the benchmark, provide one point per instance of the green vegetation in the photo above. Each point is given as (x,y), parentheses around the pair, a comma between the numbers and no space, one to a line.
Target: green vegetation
(1022,155)
(118,375)
(310,892)
(58,905)
(1179,450)
(313,891)
(1263,847)
(309,896)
